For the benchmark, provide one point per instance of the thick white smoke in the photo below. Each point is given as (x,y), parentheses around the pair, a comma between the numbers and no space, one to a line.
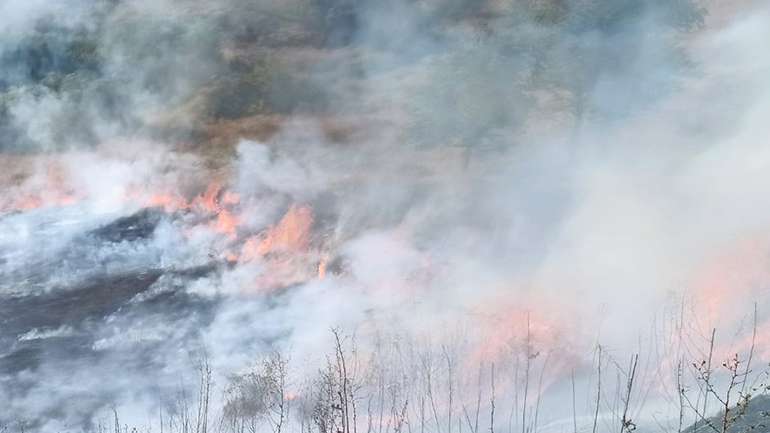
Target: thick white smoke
(556,233)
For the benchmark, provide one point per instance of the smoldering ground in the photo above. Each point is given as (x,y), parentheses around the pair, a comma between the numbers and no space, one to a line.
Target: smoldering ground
(466,190)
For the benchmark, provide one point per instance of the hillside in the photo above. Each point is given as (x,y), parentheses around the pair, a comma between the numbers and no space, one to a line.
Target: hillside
(755,419)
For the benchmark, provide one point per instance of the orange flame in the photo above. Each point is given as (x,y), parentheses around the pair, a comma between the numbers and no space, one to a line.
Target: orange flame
(208,201)
(169,202)
(290,235)
(212,202)
(734,274)
(322,264)
(284,250)
(53,190)
(226,223)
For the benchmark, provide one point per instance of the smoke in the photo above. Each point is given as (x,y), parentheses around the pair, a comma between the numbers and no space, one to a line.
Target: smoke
(454,185)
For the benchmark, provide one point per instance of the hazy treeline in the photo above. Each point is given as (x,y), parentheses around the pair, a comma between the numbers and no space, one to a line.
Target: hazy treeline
(395,384)
(79,74)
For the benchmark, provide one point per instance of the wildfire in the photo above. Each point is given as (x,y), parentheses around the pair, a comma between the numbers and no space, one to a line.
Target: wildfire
(514,328)
(169,202)
(290,235)
(723,287)
(736,273)
(283,248)
(214,202)
(322,264)
(209,200)
(226,223)
(50,190)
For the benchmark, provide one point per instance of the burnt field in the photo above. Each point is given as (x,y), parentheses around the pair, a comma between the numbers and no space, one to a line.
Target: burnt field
(58,301)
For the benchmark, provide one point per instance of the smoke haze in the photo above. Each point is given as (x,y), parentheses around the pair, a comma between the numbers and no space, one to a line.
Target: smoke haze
(484,200)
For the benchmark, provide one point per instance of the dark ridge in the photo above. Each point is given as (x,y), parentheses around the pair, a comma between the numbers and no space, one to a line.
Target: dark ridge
(140,225)
(97,299)
(755,417)
(26,357)
(83,309)
(29,354)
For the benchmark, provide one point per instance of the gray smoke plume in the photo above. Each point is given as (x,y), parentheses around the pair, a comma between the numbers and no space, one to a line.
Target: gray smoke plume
(487,201)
